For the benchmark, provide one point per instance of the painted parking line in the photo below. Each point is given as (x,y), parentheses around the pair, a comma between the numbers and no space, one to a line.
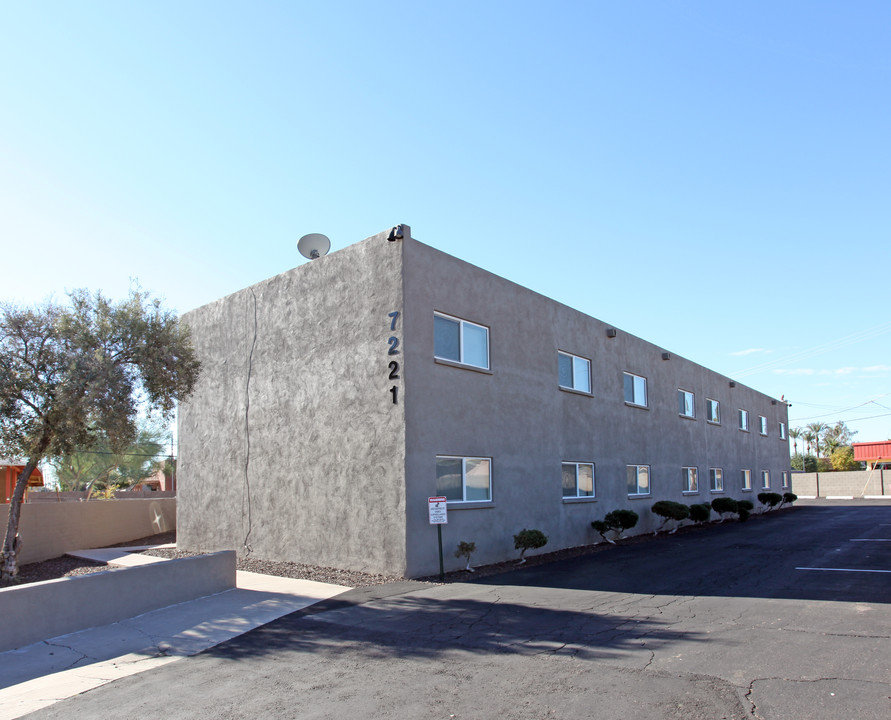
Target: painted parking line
(843,570)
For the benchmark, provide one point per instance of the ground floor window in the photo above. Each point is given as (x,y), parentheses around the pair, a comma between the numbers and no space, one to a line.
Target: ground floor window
(785,479)
(464,479)
(638,479)
(690,477)
(765,479)
(746,479)
(578,480)
(716,479)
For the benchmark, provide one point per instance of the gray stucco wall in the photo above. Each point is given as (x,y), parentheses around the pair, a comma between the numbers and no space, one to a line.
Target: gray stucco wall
(291,445)
(518,416)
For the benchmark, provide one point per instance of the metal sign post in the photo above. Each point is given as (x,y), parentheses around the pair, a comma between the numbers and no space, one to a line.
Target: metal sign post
(437,508)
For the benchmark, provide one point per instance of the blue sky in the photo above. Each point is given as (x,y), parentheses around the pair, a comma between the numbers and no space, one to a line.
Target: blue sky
(713,177)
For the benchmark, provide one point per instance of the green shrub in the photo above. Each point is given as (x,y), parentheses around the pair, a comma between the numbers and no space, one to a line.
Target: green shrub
(771,499)
(465,550)
(789,497)
(746,505)
(617,521)
(744,514)
(669,510)
(529,540)
(700,512)
(725,506)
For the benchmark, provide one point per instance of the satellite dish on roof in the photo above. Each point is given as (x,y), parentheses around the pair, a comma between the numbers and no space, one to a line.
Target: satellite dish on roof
(314,245)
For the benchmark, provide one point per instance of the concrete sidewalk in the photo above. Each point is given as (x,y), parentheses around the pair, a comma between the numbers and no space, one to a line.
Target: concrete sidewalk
(41,674)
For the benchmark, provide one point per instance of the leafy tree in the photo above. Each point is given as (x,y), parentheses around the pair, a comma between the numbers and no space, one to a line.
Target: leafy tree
(465,550)
(617,521)
(529,540)
(836,436)
(99,467)
(807,463)
(842,458)
(669,510)
(70,375)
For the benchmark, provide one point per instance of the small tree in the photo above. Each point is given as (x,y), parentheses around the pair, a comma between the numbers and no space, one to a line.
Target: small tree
(842,458)
(669,510)
(725,506)
(70,375)
(770,499)
(700,512)
(465,550)
(617,522)
(529,540)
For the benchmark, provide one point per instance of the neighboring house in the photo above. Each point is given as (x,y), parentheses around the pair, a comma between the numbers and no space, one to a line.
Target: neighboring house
(337,397)
(874,454)
(10,468)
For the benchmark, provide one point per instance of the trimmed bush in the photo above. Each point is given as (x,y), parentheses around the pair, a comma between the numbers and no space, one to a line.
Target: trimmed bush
(669,510)
(617,521)
(725,506)
(529,540)
(700,512)
(745,509)
(789,497)
(771,499)
(465,550)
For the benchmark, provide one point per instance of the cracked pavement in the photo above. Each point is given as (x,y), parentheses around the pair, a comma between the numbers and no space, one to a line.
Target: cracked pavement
(712,624)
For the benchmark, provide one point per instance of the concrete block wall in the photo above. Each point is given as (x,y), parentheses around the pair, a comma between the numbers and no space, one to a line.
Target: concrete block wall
(854,483)
(49,530)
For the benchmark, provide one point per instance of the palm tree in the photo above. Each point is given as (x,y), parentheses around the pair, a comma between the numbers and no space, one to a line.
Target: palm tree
(795,433)
(817,429)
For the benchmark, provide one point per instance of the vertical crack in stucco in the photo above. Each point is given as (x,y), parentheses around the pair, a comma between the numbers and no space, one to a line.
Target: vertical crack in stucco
(246,498)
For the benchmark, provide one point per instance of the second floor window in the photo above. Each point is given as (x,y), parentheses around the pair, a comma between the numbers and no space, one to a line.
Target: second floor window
(460,341)
(685,404)
(574,372)
(635,389)
(713,410)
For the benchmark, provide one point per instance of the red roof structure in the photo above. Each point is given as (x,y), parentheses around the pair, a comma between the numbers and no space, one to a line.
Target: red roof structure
(9,473)
(873,451)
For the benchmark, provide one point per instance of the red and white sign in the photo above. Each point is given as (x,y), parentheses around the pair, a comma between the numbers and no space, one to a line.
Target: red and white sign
(437,507)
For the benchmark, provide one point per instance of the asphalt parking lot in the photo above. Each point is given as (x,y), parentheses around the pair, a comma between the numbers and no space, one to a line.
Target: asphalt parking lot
(786,616)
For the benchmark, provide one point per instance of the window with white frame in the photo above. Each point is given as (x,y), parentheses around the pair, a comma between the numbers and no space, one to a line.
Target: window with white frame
(746,479)
(635,389)
(744,420)
(574,372)
(762,424)
(686,405)
(716,479)
(578,480)
(713,411)
(765,479)
(460,341)
(638,477)
(785,479)
(464,479)
(782,431)
(690,477)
